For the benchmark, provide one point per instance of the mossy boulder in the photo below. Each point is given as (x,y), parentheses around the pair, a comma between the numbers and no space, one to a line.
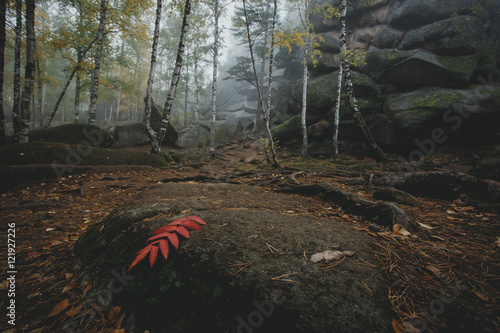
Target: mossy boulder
(413,13)
(467,115)
(321,91)
(245,270)
(71,155)
(83,134)
(422,69)
(460,35)
(129,135)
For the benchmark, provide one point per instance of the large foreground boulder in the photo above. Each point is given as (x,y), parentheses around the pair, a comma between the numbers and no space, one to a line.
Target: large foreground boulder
(245,271)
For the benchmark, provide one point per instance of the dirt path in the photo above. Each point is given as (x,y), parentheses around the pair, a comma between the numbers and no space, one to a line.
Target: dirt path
(443,276)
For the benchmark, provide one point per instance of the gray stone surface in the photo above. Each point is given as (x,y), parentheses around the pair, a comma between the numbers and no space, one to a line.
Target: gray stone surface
(199,288)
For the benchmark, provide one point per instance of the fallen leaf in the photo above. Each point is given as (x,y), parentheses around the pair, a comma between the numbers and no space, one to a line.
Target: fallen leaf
(68,276)
(329,256)
(113,314)
(498,241)
(59,308)
(71,313)
(423,225)
(68,288)
(50,229)
(397,229)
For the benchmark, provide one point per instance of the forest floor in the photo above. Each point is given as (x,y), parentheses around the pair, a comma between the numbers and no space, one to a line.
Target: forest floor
(444,276)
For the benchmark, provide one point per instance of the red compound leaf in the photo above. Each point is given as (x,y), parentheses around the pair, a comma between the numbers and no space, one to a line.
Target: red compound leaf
(196,219)
(152,255)
(191,225)
(164,235)
(182,231)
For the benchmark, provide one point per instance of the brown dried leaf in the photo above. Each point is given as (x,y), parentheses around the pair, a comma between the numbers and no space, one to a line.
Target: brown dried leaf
(59,308)
(71,313)
(113,314)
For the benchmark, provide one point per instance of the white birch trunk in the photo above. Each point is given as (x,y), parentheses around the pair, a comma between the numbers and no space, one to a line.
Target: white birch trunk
(304,102)
(97,68)
(155,147)
(29,76)
(358,118)
(176,74)
(336,117)
(211,150)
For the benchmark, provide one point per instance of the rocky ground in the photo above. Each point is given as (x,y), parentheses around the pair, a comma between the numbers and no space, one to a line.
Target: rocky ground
(440,273)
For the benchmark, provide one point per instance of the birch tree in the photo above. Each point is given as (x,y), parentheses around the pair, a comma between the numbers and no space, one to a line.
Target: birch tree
(17,68)
(270,146)
(155,147)
(3,8)
(358,118)
(216,12)
(97,64)
(29,76)
(176,74)
(267,110)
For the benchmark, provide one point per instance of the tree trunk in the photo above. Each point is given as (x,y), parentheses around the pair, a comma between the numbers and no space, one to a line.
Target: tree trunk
(358,118)
(336,118)
(155,147)
(119,98)
(17,69)
(97,68)
(196,97)
(177,71)
(41,95)
(66,85)
(29,76)
(267,111)
(214,79)
(262,73)
(304,102)
(186,95)
(3,7)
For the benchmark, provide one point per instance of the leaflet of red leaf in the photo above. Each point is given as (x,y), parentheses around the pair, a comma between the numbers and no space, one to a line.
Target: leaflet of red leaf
(177,222)
(173,239)
(196,219)
(191,225)
(182,231)
(164,248)
(158,236)
(164,229)
(142,254)
(152,255)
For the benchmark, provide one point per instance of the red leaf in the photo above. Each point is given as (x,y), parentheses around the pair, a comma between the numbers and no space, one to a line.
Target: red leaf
(164,229)
(182,231)
(158,236)
(164,248)
(153,255)
(191,225)
(196,219)
(173,239)
(142,254)
(177,222)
